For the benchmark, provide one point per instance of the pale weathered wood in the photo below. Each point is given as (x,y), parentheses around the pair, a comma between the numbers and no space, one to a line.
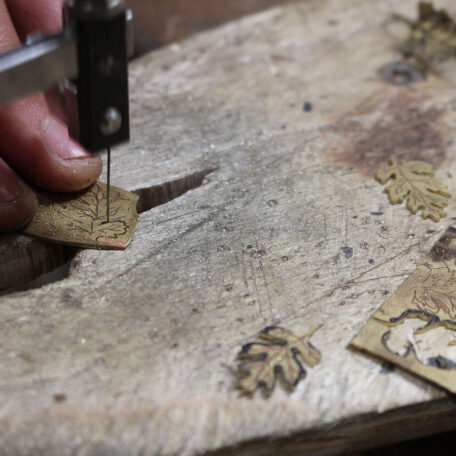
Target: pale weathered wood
(141,342)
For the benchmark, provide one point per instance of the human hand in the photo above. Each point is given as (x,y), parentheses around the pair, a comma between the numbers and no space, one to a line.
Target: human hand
(34,140)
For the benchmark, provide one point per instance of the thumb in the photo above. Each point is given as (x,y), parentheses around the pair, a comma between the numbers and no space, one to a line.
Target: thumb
(34,142)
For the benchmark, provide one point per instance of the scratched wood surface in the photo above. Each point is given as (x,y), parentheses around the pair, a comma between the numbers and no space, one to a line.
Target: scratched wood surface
(133,352)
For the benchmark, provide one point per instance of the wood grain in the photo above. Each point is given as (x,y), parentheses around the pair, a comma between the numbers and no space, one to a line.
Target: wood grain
(288,227)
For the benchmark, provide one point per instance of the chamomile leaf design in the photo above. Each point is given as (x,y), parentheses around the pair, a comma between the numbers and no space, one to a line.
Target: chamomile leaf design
(81,219)
(88,213)
(278,354)
(415,181)
(436,292)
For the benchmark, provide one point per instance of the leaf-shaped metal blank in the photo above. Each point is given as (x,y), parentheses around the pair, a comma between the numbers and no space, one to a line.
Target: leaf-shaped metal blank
(80,219)
(415,180)
(281,354)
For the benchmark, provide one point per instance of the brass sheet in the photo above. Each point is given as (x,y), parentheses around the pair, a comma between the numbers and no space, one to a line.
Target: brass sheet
(416,328)
(80,219)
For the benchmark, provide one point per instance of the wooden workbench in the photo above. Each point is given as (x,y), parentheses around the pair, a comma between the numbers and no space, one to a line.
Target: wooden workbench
(279,222)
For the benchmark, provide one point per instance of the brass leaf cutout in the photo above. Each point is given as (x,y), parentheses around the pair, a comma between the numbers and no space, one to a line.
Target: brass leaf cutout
(432,37)
(281,354)
(414,180)
(80,219)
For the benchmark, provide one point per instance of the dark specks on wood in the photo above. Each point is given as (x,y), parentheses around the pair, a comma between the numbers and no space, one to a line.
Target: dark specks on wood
(257,253)
(307,107)
(348,251)
(59,398)
(70,299)
(401,73)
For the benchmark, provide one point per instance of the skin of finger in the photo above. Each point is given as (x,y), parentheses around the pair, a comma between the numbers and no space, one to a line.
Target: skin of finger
(22,139)
(23,147)
(8,36)
(55,106)
(45,16)
(17,212)
(36,15)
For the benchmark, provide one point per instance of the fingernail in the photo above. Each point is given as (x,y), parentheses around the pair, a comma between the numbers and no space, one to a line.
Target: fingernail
(10,190)
(59,143)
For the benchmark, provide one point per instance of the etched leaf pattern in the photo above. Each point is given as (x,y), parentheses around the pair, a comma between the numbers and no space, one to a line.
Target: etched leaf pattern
(414,180)
(281,354)
(81,219)
(88,214)
(436,291)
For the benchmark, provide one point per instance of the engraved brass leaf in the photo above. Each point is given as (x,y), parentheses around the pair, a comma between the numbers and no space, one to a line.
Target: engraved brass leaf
(282,354)
(436,292)
(80,219)
(414,180)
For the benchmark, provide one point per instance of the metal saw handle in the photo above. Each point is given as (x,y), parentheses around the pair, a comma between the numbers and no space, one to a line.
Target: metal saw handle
(91,56)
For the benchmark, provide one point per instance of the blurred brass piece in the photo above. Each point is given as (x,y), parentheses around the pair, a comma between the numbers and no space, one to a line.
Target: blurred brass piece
(432,37)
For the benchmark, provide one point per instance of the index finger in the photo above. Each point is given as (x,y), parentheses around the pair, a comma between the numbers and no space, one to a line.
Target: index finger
(36,15)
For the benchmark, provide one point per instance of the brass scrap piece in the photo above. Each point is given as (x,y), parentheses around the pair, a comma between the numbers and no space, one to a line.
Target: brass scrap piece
(415,329)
